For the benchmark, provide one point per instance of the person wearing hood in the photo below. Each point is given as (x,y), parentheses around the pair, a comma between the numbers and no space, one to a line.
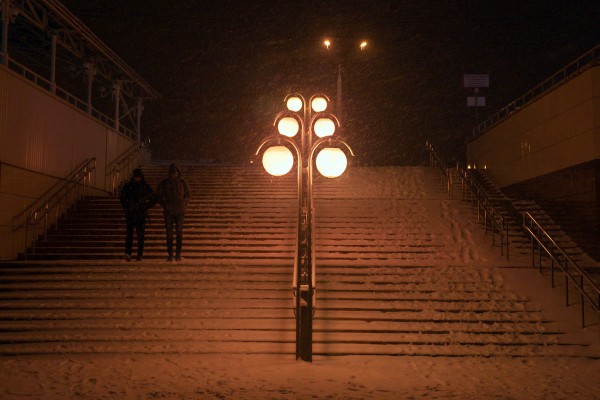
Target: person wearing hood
(173,194)
(136,199)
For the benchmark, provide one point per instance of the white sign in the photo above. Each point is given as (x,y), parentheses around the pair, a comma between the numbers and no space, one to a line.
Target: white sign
(475,101)
(476,81)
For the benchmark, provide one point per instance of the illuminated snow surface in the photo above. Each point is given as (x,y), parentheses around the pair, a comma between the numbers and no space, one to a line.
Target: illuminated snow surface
(453,226)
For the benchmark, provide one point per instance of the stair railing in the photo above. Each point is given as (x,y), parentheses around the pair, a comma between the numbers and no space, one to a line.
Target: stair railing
(491,217)
(573,69)
(443,171)
(546,245)
(52,204)
(479,198)
(121,167)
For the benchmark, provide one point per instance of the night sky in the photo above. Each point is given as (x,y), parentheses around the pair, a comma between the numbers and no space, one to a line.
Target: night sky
(223,67)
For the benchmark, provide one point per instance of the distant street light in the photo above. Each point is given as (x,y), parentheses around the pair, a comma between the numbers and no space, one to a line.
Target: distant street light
(308,119)
(328,43)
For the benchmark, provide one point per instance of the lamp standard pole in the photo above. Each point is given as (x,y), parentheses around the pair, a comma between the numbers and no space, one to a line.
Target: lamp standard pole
(306,119)
(339,95)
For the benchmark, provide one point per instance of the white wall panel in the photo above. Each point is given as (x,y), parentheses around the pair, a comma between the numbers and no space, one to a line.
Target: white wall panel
(42,133)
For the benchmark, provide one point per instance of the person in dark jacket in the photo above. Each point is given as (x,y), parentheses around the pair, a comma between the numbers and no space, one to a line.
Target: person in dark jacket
(173,194)
(136,199)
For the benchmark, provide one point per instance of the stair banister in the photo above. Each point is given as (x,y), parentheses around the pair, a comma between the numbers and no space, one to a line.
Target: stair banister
(41,207)
(120,168)
(539,235)
(436,162)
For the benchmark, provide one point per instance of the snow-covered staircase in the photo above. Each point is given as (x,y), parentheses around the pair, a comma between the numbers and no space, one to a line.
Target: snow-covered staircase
(397,274)
(388,281)
(512,207)
(231,293)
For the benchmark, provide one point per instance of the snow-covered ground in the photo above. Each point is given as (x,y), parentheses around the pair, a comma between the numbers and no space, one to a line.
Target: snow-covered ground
(179,376)
(270,377)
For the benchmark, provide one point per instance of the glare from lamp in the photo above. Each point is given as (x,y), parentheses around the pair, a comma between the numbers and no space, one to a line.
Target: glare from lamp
(319,104)
(331,162)
(324,127)
(288,126)
(278,160)
(294,104)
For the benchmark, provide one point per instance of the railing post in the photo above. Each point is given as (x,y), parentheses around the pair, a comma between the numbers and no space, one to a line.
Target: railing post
(26,235)
(46,222)
(540,254)
(567,287)
(507,240)
(532,251)
(34,238)
(582,303)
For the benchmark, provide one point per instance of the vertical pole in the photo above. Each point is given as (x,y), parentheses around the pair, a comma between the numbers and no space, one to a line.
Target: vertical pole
(305,281)
(476,107)
(90,81)
(140,109)
(5,22)
(53,64)
(116,87)
(339,93)
(582,303)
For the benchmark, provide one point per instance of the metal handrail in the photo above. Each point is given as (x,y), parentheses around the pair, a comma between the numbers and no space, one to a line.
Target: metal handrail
(437,164)
(497,222)
(120,168)
(66,96)
(43,198)
(51,201)
(583,283)
(296,271)
(573,69)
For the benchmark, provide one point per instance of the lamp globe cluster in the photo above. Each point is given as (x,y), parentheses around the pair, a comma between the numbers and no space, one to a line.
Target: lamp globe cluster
(331,162)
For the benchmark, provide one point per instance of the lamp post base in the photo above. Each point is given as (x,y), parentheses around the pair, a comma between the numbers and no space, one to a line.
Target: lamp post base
(305,332)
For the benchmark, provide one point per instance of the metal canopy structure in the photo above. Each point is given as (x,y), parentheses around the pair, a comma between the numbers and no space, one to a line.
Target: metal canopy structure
(43,41)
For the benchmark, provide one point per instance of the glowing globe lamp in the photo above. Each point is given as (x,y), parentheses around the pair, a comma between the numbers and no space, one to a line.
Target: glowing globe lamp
(288,126)
(331,162)
(324,127)
(294,104)
(319,104)
(278,160)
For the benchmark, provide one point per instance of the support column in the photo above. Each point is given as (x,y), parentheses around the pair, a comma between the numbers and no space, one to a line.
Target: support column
(140,110)
(116,88)
(90,72)
(5,22)
(53,64)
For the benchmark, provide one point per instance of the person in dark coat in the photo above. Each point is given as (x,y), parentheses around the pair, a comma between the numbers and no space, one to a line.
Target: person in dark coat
(136,199)
(173,194)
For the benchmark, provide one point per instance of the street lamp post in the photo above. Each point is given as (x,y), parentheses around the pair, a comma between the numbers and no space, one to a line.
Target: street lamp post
(328,43)
(307,119)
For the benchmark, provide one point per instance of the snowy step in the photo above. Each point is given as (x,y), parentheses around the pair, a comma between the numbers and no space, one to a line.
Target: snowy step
(381,285)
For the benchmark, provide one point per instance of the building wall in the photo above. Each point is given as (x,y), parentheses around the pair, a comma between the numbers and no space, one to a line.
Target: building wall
(549,151)
(559,130)
(43,139)
(572,198)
